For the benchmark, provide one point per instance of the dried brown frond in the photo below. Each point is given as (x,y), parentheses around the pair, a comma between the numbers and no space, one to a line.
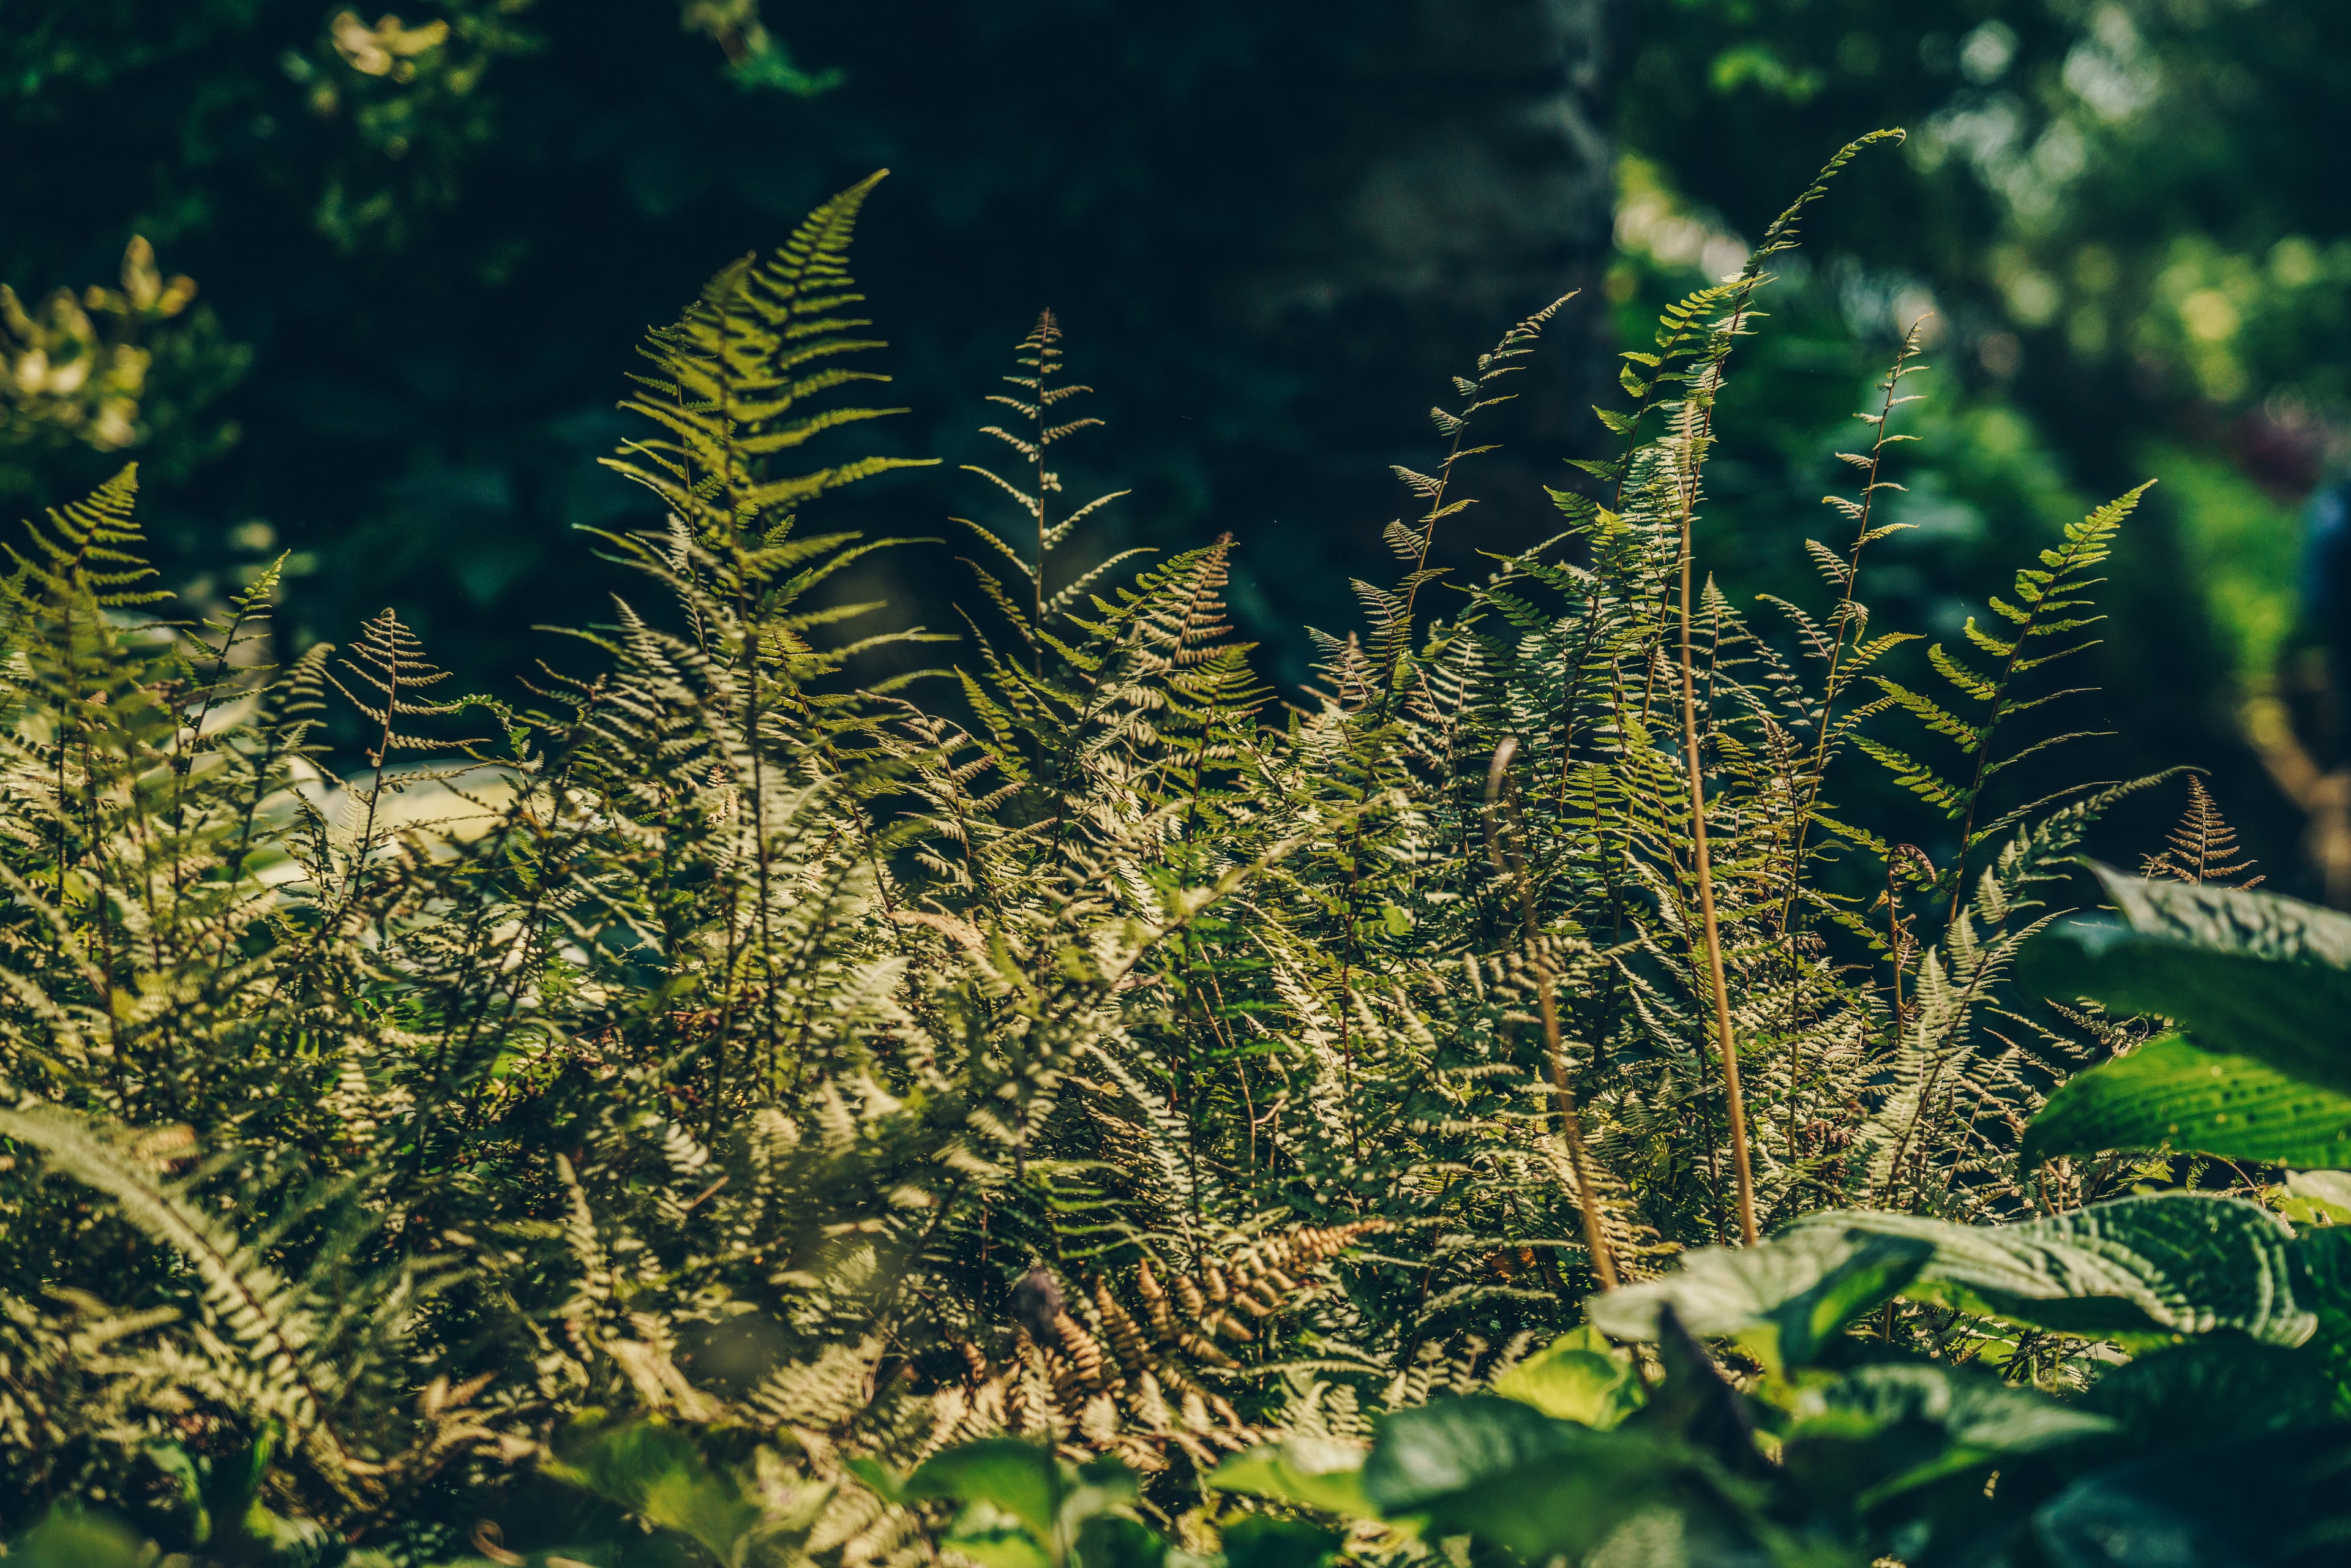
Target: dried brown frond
(1110,1382)
(2203,845)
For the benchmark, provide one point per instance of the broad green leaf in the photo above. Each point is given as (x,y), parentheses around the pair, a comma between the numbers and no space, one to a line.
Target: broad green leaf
(1575,1382)
(2168,1263)
(1021,1478)
(1440,1447)
(2217,1389)
(1878,1431)
(2247,972)
(2171,1094)
(1506,1474)
(2273,1502)
(1310,1472)
(2231,919)
(1259,1542)
(1783,1299)
(657,1473)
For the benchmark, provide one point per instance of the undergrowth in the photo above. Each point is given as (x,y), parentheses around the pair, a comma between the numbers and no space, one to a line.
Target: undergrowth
(1083,1042)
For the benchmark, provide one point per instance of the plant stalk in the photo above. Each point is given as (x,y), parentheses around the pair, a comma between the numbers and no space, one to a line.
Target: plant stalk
(1734,1101)
(1498,785)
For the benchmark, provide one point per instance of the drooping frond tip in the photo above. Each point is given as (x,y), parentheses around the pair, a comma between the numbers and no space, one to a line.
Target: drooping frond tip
(1782,234)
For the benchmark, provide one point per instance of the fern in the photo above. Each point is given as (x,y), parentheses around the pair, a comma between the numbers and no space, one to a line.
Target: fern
(2052,606)
(2201,846)
(730,1072)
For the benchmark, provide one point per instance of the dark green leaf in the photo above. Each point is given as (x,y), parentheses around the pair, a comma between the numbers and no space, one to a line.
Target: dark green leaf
(2173,1262)
(2243,971)
(1021,1478)
(1114,1540)
(2322,1268)
(2231,919)
(1258,1542)
(1696,1405)
(2217,1389)
(1879,1431)
(1448,1443)
(2279,1502)
(2170,1094)
(1783,1299)
(2288,1014)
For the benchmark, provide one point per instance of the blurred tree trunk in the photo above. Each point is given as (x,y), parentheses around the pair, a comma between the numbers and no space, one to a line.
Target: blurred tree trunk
(1274,231)
(1464,180)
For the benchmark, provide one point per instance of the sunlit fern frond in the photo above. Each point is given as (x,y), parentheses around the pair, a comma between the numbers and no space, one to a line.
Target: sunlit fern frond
(2200,847)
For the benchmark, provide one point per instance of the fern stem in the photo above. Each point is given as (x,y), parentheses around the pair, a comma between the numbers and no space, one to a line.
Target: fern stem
(1734,1101)
(1502,788)
(1844,618)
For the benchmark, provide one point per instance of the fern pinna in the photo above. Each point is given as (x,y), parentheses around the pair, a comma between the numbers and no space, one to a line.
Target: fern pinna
(1085,1041)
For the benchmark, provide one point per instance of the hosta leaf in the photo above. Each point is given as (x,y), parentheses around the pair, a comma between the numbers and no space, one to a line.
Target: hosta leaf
(1881,1430)
(1783,1299)
(1575,1379)
(2170,1094)
(1310,1472)
(2168,1263)
(2238,920)
(2288,1013)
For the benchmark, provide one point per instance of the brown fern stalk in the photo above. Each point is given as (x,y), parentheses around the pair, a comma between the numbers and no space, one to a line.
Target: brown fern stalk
(1734,1101)
(1500,787)
(1697,420)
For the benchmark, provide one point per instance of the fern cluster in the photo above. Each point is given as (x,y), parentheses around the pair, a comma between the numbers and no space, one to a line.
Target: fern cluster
(1082,1041)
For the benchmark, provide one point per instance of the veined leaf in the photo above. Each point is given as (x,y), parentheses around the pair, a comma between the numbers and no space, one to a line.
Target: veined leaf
(2172,1262)
(2242,972)
(2170,1094)
(1878,1431)
(1310,1472)
(1783,1300)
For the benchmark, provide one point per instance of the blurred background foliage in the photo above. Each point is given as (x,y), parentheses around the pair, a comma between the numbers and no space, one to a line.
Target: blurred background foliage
(425,244)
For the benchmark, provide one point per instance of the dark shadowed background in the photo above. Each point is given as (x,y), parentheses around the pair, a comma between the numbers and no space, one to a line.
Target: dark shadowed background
(424,245)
